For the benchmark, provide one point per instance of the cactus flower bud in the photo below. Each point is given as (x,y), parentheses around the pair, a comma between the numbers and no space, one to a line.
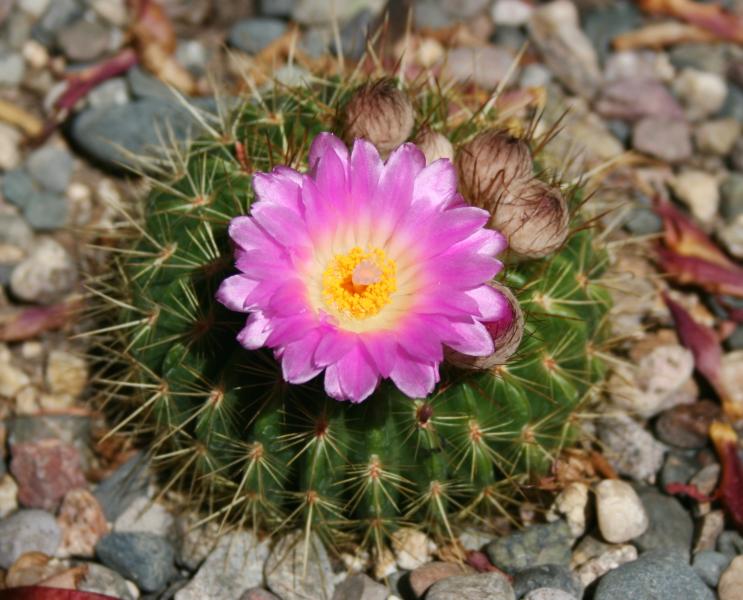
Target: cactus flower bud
(506,333)
(434,145)
(380,113)
(493,160)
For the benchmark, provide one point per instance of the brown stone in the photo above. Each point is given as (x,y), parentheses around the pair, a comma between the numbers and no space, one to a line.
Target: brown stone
(424,577)
(687,425)
(82,522)
(45,471)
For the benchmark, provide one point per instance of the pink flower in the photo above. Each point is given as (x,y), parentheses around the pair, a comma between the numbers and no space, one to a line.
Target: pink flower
(364,269)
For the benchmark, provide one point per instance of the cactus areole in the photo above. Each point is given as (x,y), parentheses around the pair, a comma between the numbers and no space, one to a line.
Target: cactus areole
(336,337)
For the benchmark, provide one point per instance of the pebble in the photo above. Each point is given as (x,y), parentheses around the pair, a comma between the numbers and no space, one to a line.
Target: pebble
(144,515)
(638,64)
(547,593)
(571,503)
(663,138)
(296,569)
(258,594)
(10,140)
(554,28)
(487,66)
(709,565)
(426,575)
(483,586)
(730,543)
(731,196)
(59,14)
(110,93)
(69,428)
(655,574)
(82,522)
(12,69)
(412,547)
(702,93)
(511,12)
(253,35)
(687,426)
(535,75)
(8,495)
(145,558)
(17,185)
(194,543)
(51,167)
(429,14)
(83,40)
(703,57)
(102,580)
(629,448)
(731,581)
(46,274)
(123,487)
(603,22)
(634,99)
(547,576)
(66,373)
(46,211)
(712,525)
(33,7)
(705,480)
(320,12)
(233,566)
(537,545)
(27,531)
(731,236)
(731,376)
(697,190)
(620,512)
(717,136)
(16,238)
(45,470)
(677,468)
(12,380)
(671,526)
(611,558)
(360,587)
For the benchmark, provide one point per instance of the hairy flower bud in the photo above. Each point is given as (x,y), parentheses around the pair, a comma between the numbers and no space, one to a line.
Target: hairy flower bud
(506,334)
(493,160)
(535,219)
(380,113)
(434,145)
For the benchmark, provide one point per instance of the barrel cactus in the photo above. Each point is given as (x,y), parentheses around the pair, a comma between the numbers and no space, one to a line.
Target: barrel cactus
(434,424)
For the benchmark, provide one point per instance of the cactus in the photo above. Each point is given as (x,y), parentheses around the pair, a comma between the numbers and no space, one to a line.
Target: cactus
(225,428)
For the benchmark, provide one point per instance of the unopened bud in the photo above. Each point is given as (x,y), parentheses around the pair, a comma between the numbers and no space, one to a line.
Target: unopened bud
(506,333)
(490,162)
(434,145)
(534,219)
(380,113)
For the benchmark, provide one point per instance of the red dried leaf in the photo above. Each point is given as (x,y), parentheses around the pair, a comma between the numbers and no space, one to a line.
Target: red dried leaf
(152,26)
(30,322)
(36,592)
(711,17)
(730,490)
(688,489)
(481,563)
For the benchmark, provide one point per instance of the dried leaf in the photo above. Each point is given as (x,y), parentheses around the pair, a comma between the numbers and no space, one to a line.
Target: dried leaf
(36,592)
(68,579)
(24,324)
(480,562)
(730,490)
(15,115)
(688,489)
(660,35)
(711,17)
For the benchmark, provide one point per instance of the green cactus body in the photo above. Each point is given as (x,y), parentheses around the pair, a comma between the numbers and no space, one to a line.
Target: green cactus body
(250,448)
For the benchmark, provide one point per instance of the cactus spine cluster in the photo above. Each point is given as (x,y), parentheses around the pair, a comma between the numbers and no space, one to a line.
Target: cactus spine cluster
(225,428)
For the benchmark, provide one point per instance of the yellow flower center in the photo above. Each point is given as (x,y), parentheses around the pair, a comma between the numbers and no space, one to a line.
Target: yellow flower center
(359,284)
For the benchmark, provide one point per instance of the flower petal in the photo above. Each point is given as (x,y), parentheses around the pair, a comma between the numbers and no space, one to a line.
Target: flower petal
(256,331)
(234,290)
(358,375)
(414,378)
(296,359)
(436,185)
(322,146)
(474,339)
(491,304)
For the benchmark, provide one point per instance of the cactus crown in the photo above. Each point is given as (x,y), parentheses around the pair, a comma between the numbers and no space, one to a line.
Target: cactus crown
(247,447)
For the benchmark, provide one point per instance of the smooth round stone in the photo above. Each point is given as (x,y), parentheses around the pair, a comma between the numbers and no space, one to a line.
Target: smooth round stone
(543,544)
(620,512)
(731,582)
(46,211)
(671,526)
(84,41)
(730,543)
(709,565)
(253,35)
(16,238)
(360,587)
(663,138)
(429,14)
(604,23)
(549,594)
(731,196)
(425,576)
(483,586)
(12,69)
(144,558)
(28,531)
(102,580)
(45,275)
(655,574)
(17,186)
(554,577)
(51,167)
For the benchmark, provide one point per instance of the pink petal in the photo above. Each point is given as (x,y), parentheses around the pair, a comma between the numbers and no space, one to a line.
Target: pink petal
(366,168)
(396,182)
(284,224)
(331,180)
(290,298)
(248,235)
(436,185)
(462,270)
(323,145)
(333,383)
(286,330)
(491,304)
(474,339)
(256,331)
(277,188)
(333,346)
(358,377)
(421,338)
(234,290)
(296,359)
(414,378)
(381,347)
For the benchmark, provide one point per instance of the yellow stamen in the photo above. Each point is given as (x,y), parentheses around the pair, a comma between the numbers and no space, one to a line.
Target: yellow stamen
(359,284)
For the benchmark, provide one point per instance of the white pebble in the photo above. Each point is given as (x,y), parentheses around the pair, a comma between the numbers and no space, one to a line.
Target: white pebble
(620,512)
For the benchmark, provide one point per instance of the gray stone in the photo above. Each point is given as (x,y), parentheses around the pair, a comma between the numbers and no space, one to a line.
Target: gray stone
(671,526)
(320,12)
(45,275)
(144,85)
(360,587)
(354,34)
(123,487)
(464,9)
(542,544)
(257,593)
(678,467)
(45,211)
(733,106)
(111,92)
(59,14)
(484,586)
(634,99)
(549,594)
(51,167)
(654,575)
(298,568)
(83,40)
(234,566)
(663,138)
(641,220)
(709,565)
(277,8)
(253,35)
(730,543)
(27,531)
(12,69)
(16,238)
(603,23)
(193,55)
(547,576)
(121,136)
(735,340)
(486,66)
(102,580)
(17,186)
(72,429)
(428,14)
(510,37)
(704,57)
(717,137)
(145,558)
(731,197)
(315,42)
(630,449)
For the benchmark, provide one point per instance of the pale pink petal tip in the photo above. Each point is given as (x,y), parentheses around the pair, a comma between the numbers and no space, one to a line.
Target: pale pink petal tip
(348,198)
